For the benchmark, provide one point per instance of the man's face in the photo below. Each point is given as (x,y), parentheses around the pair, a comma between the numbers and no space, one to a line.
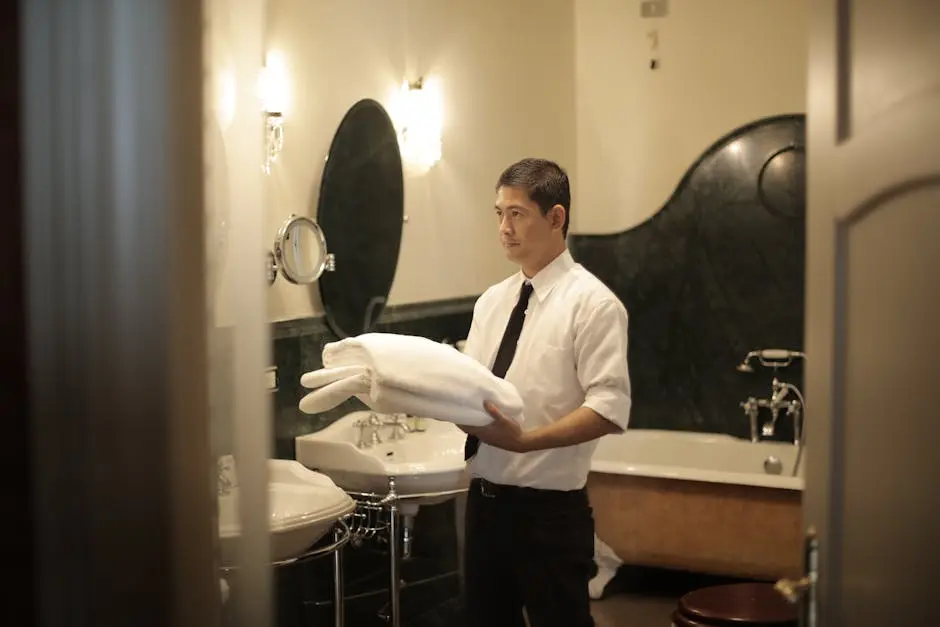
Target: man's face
(526,234)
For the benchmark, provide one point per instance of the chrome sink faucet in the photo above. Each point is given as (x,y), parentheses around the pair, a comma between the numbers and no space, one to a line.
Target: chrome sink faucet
(399,426)
(369,431)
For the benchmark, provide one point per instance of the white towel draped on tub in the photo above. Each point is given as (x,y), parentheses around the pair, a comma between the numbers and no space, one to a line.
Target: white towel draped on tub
(406,374)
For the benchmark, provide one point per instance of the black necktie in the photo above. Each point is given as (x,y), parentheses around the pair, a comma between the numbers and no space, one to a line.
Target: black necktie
(507,350)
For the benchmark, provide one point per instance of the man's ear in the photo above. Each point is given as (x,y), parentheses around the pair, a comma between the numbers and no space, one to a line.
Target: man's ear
(558,217)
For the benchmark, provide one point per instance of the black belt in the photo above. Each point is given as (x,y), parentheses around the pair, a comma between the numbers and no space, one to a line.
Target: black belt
(501,491)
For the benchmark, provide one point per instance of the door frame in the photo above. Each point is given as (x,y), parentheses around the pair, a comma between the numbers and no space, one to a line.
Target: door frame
(110,132)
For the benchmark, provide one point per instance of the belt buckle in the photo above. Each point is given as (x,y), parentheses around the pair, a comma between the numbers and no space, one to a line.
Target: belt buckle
(483,490)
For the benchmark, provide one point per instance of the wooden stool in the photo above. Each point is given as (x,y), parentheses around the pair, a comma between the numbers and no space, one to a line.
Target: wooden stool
(739,604)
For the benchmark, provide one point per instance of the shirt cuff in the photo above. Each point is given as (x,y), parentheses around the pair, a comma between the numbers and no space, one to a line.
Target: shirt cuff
(612,404)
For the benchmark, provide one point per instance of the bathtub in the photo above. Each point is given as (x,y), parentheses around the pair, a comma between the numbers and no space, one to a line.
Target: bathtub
(699,502)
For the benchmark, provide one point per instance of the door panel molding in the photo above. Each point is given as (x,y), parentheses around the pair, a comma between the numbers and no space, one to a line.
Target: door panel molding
(840,422)
(843,71)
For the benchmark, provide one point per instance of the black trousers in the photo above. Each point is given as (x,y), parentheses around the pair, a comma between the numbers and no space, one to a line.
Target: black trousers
(527,548)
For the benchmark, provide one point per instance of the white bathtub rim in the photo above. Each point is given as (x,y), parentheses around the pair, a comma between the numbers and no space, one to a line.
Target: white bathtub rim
(602,463)
(784,482)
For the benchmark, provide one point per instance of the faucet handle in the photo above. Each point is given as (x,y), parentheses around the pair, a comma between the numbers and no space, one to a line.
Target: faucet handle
(399,425)
(780,390)
(750,407)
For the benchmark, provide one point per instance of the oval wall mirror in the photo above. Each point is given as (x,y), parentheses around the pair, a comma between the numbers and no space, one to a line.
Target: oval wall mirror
(361,210)
(300,252)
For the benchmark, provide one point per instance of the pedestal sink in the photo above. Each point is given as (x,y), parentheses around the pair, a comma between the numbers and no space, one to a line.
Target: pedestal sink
(423,463)
(302,507)
(427,465)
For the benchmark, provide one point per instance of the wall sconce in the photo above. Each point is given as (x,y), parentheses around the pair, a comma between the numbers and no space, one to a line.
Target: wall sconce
(274,88)
(418,111)
(226,97)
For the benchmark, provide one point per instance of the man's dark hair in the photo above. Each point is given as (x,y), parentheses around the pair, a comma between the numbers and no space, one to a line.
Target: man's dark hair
(544,181)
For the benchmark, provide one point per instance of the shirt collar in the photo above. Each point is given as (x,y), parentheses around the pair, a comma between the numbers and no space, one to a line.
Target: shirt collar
(547,277)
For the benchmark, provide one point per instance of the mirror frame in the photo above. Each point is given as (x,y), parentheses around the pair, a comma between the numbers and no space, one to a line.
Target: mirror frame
(276,261)
(383,150)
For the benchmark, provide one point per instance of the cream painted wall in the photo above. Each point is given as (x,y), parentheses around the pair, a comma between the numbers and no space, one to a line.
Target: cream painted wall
(573,84)
(507,74)
(233,46)
(723,63)
(238,339)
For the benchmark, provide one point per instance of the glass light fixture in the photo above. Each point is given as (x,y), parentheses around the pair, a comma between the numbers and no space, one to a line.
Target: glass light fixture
(274,91)
(418,112)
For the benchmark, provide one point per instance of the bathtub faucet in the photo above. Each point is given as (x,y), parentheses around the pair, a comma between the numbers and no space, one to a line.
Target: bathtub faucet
(778,401)
(775,358)
(751,406)
(793,407)
(770,358)
(780,391)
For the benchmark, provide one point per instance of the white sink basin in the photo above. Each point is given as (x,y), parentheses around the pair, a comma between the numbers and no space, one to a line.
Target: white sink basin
(303,506)
(423,463)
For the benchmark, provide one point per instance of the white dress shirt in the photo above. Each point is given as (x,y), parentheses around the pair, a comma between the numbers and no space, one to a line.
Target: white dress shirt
(572,353)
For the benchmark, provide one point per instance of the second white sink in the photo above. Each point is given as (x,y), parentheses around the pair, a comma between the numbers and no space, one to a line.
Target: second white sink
(302,507)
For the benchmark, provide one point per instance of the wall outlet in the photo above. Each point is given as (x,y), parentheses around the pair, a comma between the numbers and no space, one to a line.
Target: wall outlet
(654,8)
(270,379)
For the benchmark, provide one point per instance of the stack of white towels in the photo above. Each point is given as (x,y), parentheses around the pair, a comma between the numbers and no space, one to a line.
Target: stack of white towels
(394,373)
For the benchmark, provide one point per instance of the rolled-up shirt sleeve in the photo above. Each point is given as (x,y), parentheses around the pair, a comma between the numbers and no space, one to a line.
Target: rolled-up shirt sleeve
(474,338)
(601,354)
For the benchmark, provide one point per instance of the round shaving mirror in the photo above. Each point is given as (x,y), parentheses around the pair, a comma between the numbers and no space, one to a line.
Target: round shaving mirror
(300,252)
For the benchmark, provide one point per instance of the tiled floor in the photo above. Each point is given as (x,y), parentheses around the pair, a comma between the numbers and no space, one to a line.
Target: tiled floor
(646,597)
(626,610)
(636,597)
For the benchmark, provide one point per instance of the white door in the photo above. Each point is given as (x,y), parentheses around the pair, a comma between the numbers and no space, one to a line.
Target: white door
(873,311)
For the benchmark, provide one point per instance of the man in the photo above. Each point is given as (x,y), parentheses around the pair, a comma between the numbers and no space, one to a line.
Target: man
(560,336)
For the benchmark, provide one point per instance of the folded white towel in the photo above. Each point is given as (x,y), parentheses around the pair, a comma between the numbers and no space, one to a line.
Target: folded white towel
(334,393)
(324,376)
(416,364)
(389,400)
(407,374)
